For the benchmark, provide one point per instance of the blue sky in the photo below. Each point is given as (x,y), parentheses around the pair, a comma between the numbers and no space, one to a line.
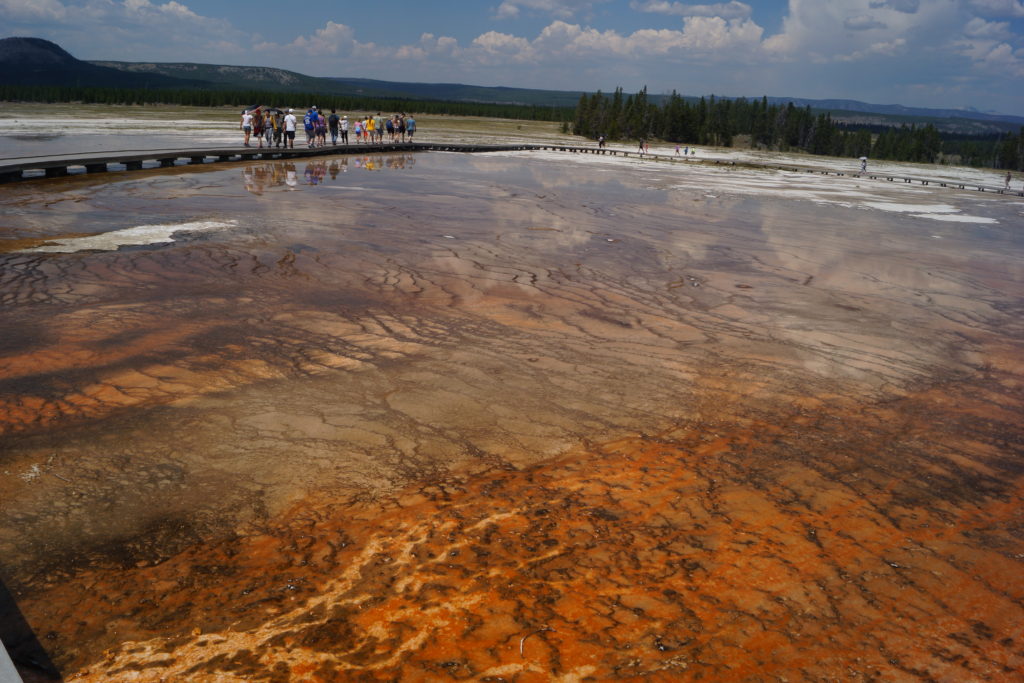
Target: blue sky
(935,53)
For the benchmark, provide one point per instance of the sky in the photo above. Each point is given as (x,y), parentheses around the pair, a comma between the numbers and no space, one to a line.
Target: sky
(928,53)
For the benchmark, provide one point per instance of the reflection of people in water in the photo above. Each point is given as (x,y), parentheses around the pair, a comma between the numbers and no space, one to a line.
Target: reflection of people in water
(260,177)
(315,172)
(257,178)
(399,161)
(248,180)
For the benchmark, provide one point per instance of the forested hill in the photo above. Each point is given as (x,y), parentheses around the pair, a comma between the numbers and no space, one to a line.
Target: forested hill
(282,80)
(38,62)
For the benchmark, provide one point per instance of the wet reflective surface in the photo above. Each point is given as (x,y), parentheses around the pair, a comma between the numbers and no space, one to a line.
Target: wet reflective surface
(509,418)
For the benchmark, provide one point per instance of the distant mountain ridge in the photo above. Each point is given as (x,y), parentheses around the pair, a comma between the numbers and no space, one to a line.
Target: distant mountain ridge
(898,110)
(224,76)
(270,78)
(34,61)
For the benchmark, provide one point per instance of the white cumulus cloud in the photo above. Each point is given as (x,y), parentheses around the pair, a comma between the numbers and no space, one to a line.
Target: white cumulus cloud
(905,6)
(562,9)
(32,10)
(827,30)
(726,10)
(133,30)
(502,47)
(862,22)
(332,39)
(992,30)
(999,8)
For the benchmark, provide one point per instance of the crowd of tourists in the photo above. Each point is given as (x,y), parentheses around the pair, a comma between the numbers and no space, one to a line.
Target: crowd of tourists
(277,127)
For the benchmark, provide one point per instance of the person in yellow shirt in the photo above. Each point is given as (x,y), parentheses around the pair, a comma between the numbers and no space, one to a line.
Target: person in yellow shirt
(371,127)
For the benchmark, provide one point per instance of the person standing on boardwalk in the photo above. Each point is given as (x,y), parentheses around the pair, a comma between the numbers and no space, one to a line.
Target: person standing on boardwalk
(410,126)
(289,129)
(321,129)
(245,125)
(309,125)
(370,128)
(279,128)
(332,122)
(344,130)
(269,128)
(257,126)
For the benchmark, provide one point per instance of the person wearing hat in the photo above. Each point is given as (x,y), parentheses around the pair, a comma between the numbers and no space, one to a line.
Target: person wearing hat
(289,129)
(344,130)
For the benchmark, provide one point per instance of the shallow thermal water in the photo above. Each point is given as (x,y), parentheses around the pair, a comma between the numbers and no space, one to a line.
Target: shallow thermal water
(510,417)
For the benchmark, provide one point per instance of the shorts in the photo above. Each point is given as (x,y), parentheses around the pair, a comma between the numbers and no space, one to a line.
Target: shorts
(247,129)
(290,134)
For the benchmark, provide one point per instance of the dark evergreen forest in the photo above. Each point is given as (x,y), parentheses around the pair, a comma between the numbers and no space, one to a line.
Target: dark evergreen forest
(718,122)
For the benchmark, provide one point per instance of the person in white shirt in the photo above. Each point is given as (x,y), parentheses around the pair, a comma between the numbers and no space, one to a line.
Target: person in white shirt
(289,129)
(246,126)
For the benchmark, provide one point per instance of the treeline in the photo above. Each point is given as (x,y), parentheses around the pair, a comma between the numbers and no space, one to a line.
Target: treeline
(242,98)
(993,151)
(718,122)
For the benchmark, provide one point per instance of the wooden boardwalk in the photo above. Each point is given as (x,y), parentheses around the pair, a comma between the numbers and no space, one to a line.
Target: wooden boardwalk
(29,168)
(8,674)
